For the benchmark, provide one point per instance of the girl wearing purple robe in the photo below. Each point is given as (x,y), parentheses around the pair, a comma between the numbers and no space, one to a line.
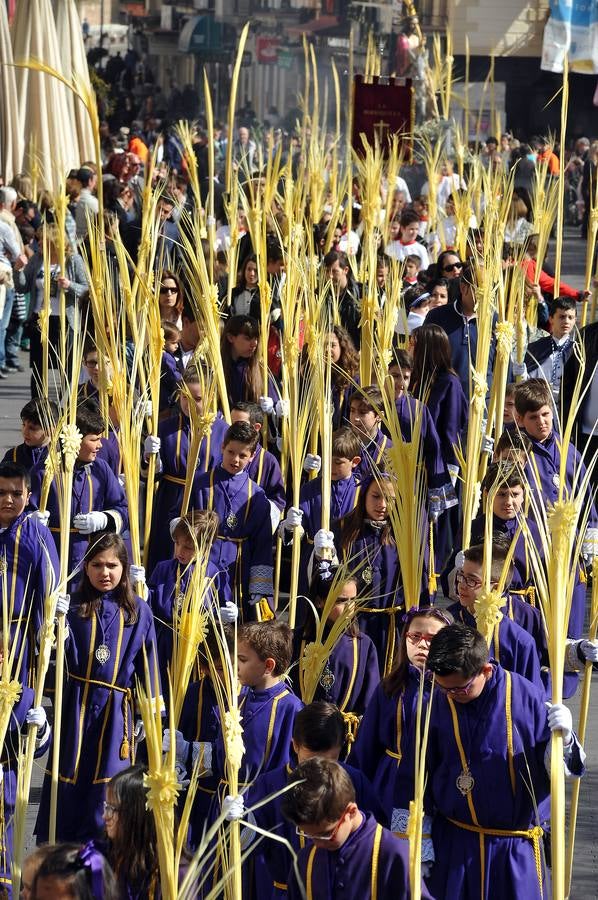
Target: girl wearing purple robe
(364,408)
(110,634)
(364,540)
(173,446)
(345,371)
(243,372)
(488,763)
(385,747)
(351,674)
(242,551)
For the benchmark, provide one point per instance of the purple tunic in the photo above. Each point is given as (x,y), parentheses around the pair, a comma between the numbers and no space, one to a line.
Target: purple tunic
(95,488)
(501,794)
(174,435)
(199,722)
(372,456)
(110,452)
(347,872)
(242,552)
(385,747)
(448,409)
(264,469)
(25,456)
(350,676)
(272,859)
(512,647)
(344,494)
(170,379)
(32,569)
(96,740)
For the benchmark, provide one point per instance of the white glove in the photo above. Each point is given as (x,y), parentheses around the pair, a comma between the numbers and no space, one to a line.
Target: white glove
(588,649)
(139,731)
(293,518)
(453,472)
(589,548)
(147,409)
(266,405)
(519,369)
(151,445)
(173,524)
(487,444)
(229,613)
(312,463)
(87,523)
(137,574)
(560,719)
(121,479)
(36,716)
(459,559)
(63,601)
(323,540)
(275,314)
(283,409)
(41,516)
(233,808)
(181,745)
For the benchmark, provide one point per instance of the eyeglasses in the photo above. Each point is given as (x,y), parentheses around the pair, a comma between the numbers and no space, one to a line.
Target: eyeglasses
(452,266)
(330,836)
(109,809)
(169,290)
(416,637)
(470,580)
(464,689)
(92,363)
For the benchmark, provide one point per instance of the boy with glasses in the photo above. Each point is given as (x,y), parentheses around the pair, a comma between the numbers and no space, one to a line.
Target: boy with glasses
(488,759)
(348,853)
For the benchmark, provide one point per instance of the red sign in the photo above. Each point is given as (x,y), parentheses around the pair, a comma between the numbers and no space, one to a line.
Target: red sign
(382,109)
(266,50)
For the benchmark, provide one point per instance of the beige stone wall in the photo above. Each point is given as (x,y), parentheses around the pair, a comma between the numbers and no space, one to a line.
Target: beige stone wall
(502,27)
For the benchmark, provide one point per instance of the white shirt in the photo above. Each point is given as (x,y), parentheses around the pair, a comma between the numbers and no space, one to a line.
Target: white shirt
(400,251)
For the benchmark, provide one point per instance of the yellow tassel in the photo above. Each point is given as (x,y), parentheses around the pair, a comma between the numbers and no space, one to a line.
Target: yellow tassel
(264,612)
(125,749)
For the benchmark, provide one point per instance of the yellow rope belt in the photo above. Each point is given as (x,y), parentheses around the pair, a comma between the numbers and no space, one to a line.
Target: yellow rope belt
(531,834)
(174,479)
(57,530)
(352,723)
(280,886)
(125,747)
(389,610)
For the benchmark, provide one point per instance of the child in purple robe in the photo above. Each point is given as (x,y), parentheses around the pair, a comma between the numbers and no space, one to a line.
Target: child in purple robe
(350,675)
(365,539)
(319,730)
(170,374)
(98,500)
(29,559)
(111,638)
(349,853)
(37,418)
(170,580)
(511,644)
(76,872)
(534,415)
(264,468)
(488,759)
(242,551)
(241,361)
(385,748)
(172,445)
(23,713)
(364,416)
(90,389)
(268,707)
(345,370)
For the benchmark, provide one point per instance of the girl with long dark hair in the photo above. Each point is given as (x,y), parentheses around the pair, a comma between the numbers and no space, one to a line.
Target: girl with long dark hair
(239,347)
(344,371)
(110,635)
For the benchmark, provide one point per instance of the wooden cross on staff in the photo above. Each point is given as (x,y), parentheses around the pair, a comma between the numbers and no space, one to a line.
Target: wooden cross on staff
(381,130)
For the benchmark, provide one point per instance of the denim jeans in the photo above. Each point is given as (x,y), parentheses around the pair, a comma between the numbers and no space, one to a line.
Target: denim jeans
(6,312)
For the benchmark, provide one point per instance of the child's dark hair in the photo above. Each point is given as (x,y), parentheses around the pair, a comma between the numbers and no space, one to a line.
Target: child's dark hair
(564,303)
(513,440)
(321,791)
(408,217)
(532,395)
(270,640)
(500,551)
(319,727)
(415,259)
(345,443)
(233,327)
(352,525)
(89,419)
(16,472)
(40,411)
(72,864)
(347,366)
(457,650)
(133,850)
(510,389)
(89,597)
(402,359)
(242,432)
(254,411)
(370,396)
(171,331)
(319,591)
(509,476)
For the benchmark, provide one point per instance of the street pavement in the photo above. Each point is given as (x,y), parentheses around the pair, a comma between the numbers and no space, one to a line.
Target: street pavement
(15,392)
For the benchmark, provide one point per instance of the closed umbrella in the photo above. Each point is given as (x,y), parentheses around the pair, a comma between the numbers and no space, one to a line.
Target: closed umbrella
(74,68)
(11,135)
(51,146)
